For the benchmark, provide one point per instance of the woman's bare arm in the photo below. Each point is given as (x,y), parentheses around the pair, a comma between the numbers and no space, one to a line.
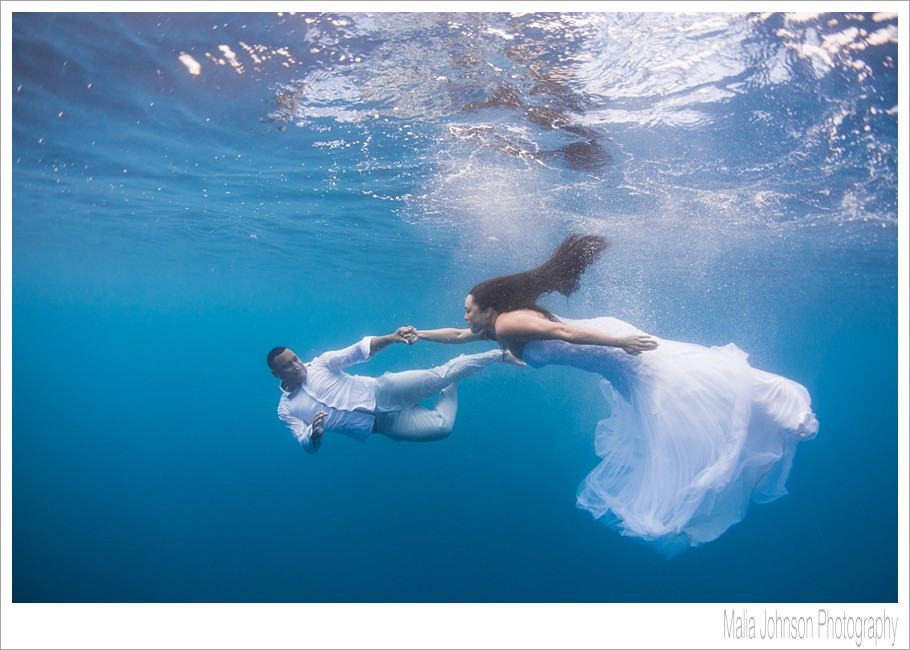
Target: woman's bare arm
(448,335)
(526,326)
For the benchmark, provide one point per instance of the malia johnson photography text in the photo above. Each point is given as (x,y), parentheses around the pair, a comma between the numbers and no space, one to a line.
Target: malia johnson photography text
(742,624)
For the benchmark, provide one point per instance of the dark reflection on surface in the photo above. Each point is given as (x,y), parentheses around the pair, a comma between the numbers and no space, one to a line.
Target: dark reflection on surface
(511,78)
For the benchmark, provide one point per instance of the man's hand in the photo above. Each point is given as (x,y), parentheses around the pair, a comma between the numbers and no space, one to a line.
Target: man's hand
(318,427)
(401,335)
(508,357)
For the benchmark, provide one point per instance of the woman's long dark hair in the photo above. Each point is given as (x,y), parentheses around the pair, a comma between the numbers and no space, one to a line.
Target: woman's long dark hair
(561,273)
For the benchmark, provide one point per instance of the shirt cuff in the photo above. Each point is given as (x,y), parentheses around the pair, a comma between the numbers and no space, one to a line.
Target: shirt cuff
(365,346)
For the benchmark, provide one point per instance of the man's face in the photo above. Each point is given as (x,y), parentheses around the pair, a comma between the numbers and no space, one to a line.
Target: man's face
(288,368)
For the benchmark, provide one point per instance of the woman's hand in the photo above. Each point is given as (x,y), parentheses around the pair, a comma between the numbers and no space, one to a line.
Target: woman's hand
(635,344)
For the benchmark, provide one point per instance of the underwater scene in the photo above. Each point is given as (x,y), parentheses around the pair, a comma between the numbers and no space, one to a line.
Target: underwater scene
(192,189)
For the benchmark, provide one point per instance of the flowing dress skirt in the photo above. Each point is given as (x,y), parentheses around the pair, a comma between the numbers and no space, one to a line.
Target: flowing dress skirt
(695,434)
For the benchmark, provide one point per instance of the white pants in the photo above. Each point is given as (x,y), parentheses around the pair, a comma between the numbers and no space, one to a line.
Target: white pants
(398,413)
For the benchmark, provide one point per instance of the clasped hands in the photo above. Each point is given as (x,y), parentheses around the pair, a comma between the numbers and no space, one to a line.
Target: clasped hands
(407,334)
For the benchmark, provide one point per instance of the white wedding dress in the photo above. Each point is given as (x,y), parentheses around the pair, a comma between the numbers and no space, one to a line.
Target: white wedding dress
(695,434)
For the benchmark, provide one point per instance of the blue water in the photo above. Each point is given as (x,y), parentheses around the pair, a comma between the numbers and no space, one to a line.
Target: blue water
(328,176)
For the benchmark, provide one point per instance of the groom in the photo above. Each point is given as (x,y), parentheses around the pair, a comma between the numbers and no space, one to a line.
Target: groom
(320,396)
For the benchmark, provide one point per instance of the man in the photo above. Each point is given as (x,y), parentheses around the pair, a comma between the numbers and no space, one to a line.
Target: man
(320,396)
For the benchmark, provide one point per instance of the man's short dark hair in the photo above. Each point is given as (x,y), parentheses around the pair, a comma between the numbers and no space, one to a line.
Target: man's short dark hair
(274,352)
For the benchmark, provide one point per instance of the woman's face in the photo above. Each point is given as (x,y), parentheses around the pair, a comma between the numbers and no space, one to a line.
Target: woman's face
(477,319)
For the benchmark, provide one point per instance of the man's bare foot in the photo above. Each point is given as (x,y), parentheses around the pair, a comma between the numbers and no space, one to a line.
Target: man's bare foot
(508,357)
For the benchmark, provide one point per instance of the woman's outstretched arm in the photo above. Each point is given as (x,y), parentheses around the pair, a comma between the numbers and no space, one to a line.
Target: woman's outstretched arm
(448,335)
(516,326)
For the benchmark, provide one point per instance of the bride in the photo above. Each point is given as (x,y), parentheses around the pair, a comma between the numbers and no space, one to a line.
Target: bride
(695,433)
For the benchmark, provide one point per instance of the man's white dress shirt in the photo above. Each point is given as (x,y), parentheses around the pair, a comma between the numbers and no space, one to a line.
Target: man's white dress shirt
(349,400)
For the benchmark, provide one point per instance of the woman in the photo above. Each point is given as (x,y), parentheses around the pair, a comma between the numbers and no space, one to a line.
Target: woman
(695,433)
